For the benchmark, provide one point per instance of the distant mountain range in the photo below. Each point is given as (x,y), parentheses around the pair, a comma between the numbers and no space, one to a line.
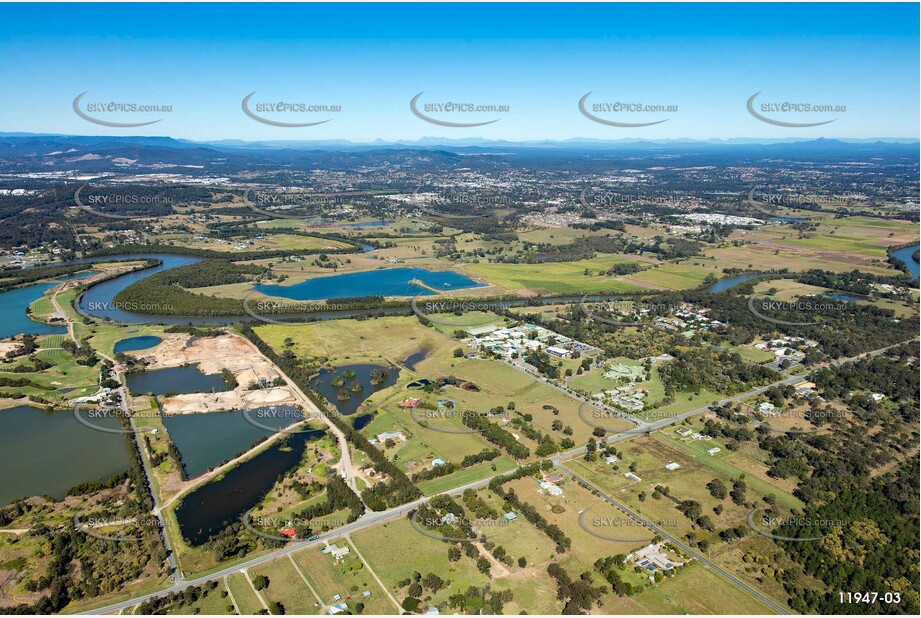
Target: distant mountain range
(29,151)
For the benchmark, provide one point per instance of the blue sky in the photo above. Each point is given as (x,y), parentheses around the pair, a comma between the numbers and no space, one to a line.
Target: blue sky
(538,59)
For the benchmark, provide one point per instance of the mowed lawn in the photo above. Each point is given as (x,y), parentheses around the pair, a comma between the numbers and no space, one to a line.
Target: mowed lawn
(556,277)
(484,470)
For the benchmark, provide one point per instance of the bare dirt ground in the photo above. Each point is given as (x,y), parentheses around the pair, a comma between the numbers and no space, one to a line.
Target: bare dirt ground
(212,355)
(193,403)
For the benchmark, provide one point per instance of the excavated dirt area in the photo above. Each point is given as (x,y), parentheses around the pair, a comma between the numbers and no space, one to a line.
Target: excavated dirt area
(212,355)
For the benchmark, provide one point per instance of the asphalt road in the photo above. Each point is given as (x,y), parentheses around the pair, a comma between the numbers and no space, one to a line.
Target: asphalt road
(371,519)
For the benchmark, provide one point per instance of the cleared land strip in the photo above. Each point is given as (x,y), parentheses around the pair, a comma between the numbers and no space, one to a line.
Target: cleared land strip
(230,594)
(367,564)
(307,583)
(375,518)
(256,592)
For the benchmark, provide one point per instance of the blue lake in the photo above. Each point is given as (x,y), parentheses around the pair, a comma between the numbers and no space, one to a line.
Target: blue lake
(207,511)
(13,318)
(206,441)
(47,453)
(851,298)
(185,379)
(136,343)
(76,276)
(384,282)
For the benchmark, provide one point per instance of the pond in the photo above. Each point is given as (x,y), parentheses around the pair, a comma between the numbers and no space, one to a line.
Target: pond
(132,344)
(323,383)
(906,256)
(383,282)
(47,453)
(362,421)
(370,224)
(845,296)
(415,357)
(74,276)
(728,282)
(208,440)
(178,380)
(209,510)
(13,318)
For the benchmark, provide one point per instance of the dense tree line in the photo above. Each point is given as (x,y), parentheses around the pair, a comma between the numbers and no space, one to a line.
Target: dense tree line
(16,277)
(495,434)
(579,595)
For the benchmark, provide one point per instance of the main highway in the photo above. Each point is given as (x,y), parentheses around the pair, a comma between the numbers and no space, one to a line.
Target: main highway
(371,519)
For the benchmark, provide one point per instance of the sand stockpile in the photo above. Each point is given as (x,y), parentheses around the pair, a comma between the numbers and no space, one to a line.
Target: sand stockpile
(212,355)
(270,396)
(199,403)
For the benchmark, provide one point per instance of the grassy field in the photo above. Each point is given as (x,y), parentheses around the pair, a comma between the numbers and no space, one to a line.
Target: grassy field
(105,336)
(671,276)
(838,245)
(391,339)
(722,463)
(468,475)
(692,591)
(349,579)
(243,594)
(270,242)
(286,587)
(349,341)
(211,603)
(555,277)
(417,553)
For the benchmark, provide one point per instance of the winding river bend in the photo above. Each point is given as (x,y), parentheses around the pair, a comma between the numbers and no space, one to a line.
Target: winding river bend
(98,301)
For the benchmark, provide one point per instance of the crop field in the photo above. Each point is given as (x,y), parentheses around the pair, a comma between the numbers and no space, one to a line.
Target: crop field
(556,277)
(682,276)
